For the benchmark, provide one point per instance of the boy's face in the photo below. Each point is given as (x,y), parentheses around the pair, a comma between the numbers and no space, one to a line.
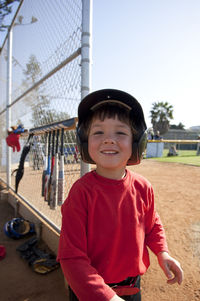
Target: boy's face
(110,145)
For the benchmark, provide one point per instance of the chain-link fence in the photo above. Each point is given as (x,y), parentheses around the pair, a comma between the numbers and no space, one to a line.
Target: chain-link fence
(44,73)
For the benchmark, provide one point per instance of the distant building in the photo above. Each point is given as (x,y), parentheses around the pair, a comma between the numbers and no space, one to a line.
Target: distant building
(195,128)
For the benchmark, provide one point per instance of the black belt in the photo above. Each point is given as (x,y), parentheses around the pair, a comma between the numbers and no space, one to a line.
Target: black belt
(125,287)
(127,281)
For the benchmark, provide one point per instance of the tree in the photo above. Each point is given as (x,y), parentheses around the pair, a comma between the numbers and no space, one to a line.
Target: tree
(33,70)
(161,114)
(5,9)
(180,126)
(37,99)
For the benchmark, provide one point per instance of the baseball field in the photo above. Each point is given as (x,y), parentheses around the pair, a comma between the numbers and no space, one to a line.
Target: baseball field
(177,195)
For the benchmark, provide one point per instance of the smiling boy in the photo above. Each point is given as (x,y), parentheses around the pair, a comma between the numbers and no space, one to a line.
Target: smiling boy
(109,218)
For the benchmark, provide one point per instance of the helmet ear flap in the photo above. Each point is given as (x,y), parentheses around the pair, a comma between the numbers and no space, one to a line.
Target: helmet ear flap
(138,149)
(82,143)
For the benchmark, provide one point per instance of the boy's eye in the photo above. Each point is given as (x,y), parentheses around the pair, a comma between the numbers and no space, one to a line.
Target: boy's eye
(97,133)
(121,133)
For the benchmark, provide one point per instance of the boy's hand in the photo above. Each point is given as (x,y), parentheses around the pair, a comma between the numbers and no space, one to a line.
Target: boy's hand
(170,265)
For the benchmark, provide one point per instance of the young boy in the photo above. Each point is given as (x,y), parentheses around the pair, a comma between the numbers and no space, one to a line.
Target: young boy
(109,218)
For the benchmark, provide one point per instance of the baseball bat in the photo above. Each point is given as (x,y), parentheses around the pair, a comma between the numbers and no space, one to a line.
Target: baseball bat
(47,176)
(45,162)
(61,172)
(54,187)
(52,167)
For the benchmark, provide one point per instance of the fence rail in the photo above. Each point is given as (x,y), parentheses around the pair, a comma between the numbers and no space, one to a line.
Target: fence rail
(174,141)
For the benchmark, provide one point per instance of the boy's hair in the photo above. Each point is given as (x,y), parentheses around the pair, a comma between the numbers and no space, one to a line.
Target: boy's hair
(111,103)
(108,111)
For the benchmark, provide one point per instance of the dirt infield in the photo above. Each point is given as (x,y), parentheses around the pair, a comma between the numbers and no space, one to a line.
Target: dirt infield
(177,194)
(177,191)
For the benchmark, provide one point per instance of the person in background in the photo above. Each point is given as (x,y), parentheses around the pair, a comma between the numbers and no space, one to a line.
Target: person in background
(157,135)
(198,147)
(150,134)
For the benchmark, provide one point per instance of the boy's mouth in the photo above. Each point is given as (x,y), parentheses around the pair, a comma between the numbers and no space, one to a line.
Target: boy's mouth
(108,152)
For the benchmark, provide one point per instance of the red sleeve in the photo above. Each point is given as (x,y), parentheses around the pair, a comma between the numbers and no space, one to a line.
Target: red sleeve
(82,277)
(155,237)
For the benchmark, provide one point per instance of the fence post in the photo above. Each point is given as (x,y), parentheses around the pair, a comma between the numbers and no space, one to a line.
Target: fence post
(86,50)
(8,102)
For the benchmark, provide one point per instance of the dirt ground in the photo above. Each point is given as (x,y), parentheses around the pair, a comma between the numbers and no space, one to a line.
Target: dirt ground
(18,282)
(177,195)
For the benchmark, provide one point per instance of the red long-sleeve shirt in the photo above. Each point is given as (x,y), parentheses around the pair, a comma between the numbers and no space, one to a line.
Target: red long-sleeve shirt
(106,228)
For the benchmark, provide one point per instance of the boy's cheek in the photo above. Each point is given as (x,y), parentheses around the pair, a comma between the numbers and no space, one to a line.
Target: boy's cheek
(92,150)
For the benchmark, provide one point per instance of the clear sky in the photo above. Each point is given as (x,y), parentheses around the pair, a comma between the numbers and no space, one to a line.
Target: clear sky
(151,49)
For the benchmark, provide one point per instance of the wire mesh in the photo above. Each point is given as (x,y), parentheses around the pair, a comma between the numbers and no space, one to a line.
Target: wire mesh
(3,95)
(40,46)
(46,87)
(30,186)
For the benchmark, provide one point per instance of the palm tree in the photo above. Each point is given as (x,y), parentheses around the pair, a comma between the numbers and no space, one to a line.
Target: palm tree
(180,126)
(161,114)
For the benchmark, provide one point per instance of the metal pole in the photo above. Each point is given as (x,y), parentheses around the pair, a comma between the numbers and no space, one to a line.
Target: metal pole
(8,102)
(86,50)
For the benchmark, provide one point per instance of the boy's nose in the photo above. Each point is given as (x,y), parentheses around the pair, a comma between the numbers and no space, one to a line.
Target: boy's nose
(110,140)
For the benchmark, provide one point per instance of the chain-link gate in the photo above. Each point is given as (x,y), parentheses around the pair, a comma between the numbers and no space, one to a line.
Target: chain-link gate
(44,73)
